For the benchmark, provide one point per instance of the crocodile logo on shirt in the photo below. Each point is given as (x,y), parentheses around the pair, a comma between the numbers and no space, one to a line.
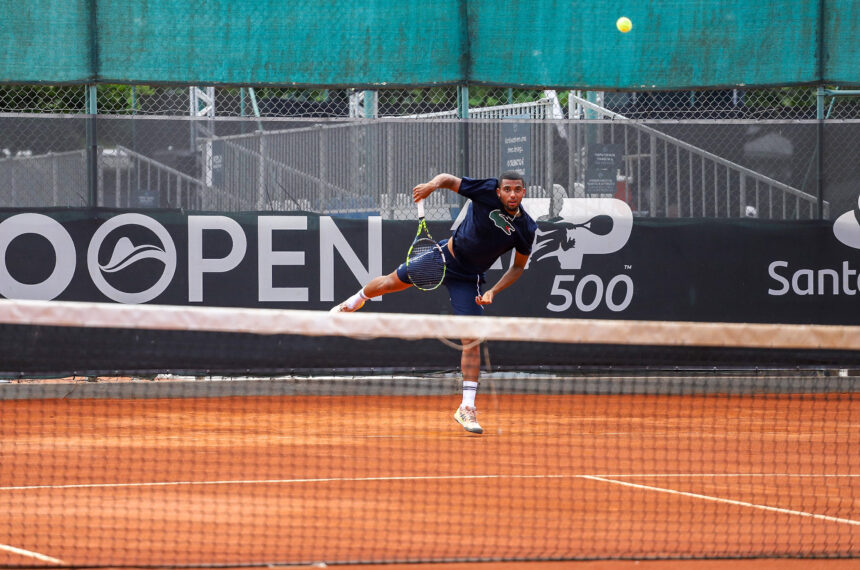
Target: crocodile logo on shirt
(502,222)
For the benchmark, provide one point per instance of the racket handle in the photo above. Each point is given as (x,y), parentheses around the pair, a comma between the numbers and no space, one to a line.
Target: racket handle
(420,205)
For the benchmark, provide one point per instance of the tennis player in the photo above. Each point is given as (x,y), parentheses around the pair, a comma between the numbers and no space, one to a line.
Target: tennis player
(494,224)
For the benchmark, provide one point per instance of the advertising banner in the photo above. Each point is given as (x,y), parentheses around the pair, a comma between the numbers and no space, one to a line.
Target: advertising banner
(590,259)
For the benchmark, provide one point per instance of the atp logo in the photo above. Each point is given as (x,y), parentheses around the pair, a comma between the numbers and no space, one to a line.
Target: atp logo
(846,228)
(584,226)
(502,222)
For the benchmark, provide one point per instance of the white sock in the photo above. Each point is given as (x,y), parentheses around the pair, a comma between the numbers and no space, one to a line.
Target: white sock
(470,389)
(357,300)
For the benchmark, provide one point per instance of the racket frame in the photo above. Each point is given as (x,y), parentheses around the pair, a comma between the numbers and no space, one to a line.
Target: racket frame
(422,228)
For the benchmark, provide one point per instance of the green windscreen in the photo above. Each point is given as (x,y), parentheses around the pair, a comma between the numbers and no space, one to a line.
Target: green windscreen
(842,48)
(675,43)
(336,42)
(374,43)
(45,40)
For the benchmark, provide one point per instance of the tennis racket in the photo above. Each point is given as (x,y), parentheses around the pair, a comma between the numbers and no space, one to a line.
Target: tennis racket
(425,260)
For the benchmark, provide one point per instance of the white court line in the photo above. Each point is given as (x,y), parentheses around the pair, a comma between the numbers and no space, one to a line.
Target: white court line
(680,475)
(403,478)
(283,481)
(721,500)
(603,479)
(30,554)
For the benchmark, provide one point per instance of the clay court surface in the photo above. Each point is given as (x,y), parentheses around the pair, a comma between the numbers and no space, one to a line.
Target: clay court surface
(238,481)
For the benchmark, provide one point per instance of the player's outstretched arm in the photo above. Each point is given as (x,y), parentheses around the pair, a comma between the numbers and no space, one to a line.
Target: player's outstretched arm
(512,274)
(443,180)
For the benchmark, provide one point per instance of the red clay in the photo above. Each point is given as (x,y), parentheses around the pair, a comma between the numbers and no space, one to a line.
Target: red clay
(240,481)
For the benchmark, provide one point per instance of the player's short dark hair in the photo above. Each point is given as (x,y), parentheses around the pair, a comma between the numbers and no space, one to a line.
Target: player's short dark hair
(512,175)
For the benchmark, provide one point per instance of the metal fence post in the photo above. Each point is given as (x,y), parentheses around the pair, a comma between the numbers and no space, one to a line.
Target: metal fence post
(92,147)
(463,129)
(389,129)
(652,191)
(819,143)
(261,169)
(370,111)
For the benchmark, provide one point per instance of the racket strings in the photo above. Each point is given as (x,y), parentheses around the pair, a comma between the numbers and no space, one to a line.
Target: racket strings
(425,264)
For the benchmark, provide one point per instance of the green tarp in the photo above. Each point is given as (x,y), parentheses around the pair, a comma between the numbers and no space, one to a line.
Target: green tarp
(376,43)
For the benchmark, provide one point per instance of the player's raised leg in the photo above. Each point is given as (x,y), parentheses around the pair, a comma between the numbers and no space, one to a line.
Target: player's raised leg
(377,286)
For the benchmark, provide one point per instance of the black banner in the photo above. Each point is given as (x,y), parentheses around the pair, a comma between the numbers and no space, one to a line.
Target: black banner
(591,260)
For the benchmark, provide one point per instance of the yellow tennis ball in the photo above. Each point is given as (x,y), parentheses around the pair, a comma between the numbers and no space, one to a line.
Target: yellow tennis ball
(624,24)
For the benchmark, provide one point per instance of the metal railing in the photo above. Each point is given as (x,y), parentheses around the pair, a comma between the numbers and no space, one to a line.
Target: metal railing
(308,168)
(130,179)
(540,109)
(678,179)
(125,178)
(365,167)
(52,179)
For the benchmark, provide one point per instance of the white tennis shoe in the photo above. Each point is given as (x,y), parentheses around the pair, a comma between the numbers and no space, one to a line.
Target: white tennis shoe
(467,416)
(345,308)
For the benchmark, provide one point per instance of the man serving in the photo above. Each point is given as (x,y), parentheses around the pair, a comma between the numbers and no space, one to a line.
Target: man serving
(495,223)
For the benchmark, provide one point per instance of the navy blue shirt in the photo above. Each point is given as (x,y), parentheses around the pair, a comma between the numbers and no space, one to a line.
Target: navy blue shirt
(488,231)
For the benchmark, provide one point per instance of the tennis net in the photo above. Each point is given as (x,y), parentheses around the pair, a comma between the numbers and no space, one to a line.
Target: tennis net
(54,338)
(314,438)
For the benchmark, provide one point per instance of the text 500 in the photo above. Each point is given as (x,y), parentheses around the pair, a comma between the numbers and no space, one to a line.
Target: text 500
(590,292)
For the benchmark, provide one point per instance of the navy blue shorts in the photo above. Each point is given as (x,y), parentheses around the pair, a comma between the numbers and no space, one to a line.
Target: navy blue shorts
(463,285)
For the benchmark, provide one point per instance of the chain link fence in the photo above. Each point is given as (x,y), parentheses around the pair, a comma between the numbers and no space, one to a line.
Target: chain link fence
(716,153)
(762,104)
